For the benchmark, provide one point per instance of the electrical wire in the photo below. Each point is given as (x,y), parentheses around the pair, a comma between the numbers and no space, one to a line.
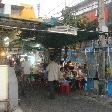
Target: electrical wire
(55,8)
(72,3)
(59,6)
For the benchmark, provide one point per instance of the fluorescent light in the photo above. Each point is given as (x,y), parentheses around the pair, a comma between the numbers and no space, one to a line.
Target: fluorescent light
(37,45)
(6,38)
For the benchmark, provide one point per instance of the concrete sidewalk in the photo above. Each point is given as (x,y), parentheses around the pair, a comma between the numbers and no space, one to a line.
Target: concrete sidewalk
(102,99)
(79,101)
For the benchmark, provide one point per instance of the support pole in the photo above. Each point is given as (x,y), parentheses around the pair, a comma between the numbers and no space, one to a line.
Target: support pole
(101,56)
(101,20)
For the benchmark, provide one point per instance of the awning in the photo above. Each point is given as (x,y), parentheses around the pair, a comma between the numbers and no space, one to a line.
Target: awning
(86,36)
(48,39)
(53,39)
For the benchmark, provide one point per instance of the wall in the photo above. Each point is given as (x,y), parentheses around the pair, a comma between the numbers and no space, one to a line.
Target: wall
(92,15)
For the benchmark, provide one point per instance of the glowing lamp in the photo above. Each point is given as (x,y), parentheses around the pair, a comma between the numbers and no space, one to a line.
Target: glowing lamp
(3,54)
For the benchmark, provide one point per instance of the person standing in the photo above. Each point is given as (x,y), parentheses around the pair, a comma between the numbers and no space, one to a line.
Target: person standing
(26,66)
(53,70)
(18,69)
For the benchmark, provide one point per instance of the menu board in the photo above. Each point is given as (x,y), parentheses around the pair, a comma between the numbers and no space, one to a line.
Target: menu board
(3,82)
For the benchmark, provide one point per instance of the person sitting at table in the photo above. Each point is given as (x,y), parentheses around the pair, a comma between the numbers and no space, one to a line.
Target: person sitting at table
(62,75)
(80,80)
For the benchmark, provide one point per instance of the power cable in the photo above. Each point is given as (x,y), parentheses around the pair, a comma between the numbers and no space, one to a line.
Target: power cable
(55,7)
(65,9)
(59,6)
(71,8)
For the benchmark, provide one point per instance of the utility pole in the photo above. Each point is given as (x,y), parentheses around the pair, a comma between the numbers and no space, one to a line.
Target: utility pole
(65,4)
(101,18)
(101,54)
(102,43)
(38,8)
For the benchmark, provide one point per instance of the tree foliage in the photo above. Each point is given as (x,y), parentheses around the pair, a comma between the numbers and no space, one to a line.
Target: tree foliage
(81,22)
(69,20)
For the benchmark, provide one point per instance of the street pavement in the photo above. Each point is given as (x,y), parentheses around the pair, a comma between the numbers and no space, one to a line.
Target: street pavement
(37,101)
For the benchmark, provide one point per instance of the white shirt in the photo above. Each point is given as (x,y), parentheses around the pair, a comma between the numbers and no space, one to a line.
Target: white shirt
(26,67)
(53,71)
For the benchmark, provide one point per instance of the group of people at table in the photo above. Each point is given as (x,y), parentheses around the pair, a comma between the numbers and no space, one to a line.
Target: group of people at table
(68,76)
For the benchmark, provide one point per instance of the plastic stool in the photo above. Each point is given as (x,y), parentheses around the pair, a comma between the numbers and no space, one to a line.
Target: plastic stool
(65,88)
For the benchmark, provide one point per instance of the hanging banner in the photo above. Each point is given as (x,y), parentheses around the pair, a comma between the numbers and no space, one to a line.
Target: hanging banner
(3,82)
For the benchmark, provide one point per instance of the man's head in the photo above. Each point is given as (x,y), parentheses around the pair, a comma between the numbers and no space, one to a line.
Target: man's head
(52,58)
(26,58)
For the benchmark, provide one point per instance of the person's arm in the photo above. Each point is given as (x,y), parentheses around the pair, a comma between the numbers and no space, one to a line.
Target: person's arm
(47,68)
(59,72)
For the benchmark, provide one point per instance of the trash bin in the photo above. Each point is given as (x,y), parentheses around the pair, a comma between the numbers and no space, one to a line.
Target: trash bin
(90,84)
(109,88)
